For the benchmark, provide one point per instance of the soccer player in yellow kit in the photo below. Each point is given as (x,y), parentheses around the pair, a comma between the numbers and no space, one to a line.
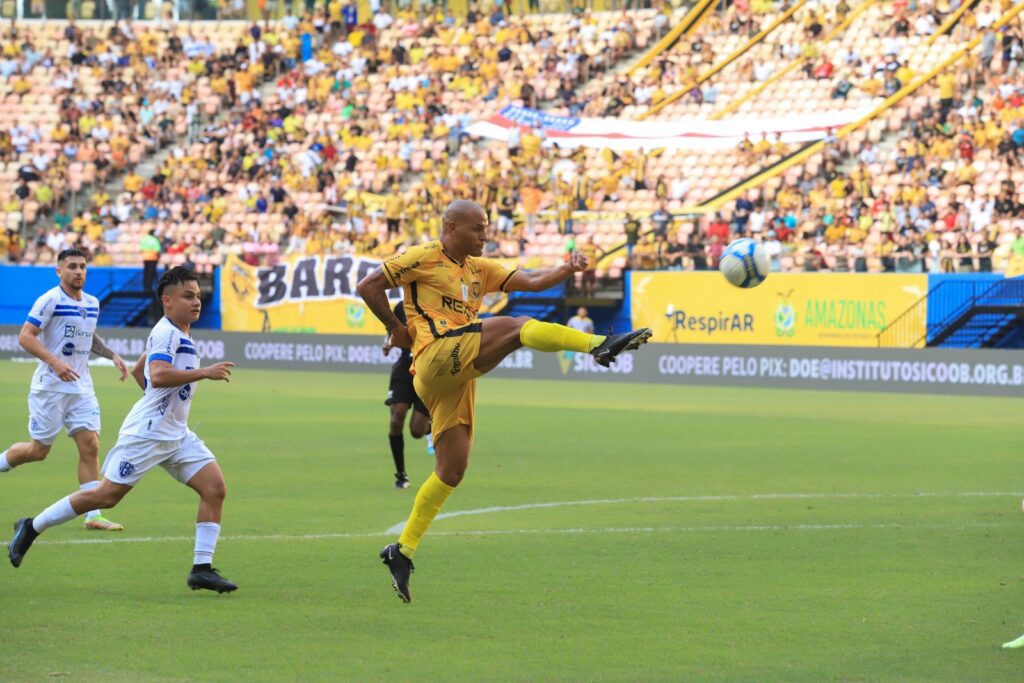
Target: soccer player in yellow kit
(445,281)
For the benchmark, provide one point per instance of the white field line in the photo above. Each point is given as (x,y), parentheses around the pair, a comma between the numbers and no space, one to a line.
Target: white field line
(397,528)
(748,528)
(602,530)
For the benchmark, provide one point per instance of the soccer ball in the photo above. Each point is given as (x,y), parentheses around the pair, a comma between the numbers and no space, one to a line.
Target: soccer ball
(744,263)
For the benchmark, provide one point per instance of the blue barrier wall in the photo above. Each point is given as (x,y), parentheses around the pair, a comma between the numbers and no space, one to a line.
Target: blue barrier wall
(949,298)
(22,285)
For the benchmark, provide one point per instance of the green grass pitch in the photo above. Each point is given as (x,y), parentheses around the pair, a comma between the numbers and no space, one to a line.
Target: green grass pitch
(693,534)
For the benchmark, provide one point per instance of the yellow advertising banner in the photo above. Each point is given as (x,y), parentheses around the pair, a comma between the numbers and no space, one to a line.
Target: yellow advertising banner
(314,294)
(809,309)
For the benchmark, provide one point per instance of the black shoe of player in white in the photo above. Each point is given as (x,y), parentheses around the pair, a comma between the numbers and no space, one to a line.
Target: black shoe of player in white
(401,481)
(400,567)
(210,579)
(614,344)
(24,534)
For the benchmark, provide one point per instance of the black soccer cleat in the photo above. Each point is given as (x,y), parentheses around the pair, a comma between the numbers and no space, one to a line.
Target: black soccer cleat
(614,344)
(400,567)
(401,481)
(210,579)
(24,534)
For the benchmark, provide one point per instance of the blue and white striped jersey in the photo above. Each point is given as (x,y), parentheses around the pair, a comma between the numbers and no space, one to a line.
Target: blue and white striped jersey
(67,326)
(162,414)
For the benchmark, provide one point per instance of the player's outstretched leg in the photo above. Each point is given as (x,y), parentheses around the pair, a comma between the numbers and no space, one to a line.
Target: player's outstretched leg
(502,335)
(105,496)
(605,349)
(21,541)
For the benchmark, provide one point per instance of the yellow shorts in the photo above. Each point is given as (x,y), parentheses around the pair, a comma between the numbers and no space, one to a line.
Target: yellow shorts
(445,378)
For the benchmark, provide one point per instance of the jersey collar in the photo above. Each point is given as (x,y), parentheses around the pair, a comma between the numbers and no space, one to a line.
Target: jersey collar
(175,326)
(451,258)
(61,288)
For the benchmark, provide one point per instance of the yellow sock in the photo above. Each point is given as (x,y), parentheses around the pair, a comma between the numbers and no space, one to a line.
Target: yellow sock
(552,337)
(429,500)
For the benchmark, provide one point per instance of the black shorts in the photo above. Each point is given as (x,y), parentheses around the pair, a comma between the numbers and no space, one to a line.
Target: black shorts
(400,389)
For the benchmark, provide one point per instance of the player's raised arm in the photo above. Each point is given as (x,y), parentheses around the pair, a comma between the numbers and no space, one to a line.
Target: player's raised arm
(539,280)
(29,340)
(162,374)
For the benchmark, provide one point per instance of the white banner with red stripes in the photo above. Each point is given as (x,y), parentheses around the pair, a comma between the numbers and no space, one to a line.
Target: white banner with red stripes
(696,134)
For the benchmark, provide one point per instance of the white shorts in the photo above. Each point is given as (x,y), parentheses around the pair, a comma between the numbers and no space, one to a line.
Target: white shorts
(51,411)
(133,456)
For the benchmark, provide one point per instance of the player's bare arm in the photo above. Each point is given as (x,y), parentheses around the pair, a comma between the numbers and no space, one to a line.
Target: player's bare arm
(139,372)
(374,290)
(162,374)
(539,280)
(29,340)
(100,348)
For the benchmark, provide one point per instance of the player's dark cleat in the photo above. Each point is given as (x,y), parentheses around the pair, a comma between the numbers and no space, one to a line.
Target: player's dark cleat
(210,579)
(614,344)
(24,534)
(401,481)
(400,567)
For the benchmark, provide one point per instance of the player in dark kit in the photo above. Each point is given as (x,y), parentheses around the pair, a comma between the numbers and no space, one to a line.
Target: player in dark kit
(402,396)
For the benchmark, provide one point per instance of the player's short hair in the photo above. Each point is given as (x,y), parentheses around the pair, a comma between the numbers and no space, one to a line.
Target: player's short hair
(178,275)
(70,253)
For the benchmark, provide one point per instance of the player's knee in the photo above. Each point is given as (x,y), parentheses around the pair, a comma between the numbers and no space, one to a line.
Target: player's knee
(38,452)
(395,425)
(106,499)
(216,491)
(522,320)
(452,474)
(418,433)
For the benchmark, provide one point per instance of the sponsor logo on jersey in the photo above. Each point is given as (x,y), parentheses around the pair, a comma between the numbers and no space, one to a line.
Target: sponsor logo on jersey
(456,361)
(453,304)
(125,469)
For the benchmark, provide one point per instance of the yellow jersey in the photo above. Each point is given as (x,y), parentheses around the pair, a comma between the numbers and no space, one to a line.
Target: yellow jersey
(442,296)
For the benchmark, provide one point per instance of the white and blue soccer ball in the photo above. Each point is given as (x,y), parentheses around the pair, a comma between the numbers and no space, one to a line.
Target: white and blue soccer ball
(744,263)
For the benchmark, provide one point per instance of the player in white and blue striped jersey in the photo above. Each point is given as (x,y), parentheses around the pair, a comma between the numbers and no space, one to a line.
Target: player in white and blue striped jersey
(61,332)
(156,433)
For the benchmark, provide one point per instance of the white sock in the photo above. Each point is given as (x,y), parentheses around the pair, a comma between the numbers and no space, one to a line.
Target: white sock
(206,542)
(85,487)
(430,441)
(58,513)
(4,465)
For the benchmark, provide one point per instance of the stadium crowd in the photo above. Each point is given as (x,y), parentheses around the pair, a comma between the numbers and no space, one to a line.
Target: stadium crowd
(322,133)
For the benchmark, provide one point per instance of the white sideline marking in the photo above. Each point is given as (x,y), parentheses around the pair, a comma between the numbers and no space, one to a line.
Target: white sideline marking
(608,501)
(571,530)
(397,528)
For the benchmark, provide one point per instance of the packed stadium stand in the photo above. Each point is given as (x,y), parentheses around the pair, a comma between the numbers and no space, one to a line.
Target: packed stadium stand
(329,133)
